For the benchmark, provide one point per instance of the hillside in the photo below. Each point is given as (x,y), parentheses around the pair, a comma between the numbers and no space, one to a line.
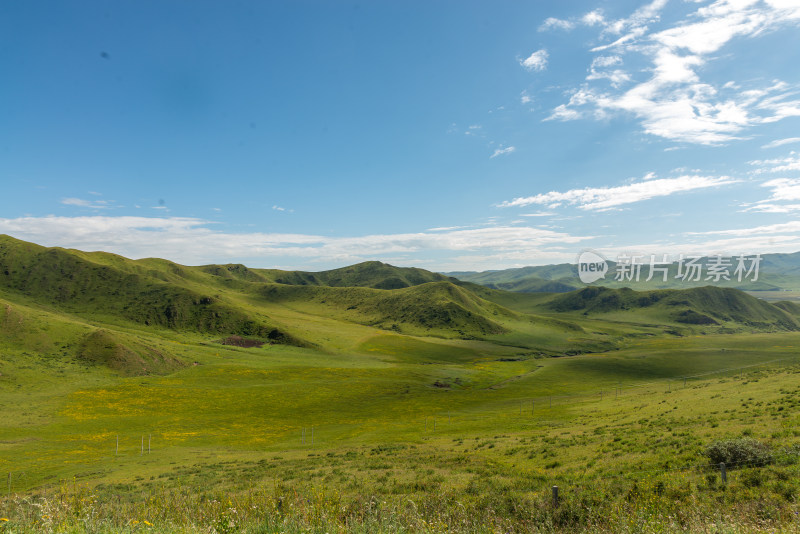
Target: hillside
(695,306)
(104,286)
(372,274)
(435,306)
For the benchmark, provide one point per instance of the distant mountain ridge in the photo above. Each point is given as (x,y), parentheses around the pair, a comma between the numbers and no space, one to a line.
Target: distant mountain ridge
(776,272)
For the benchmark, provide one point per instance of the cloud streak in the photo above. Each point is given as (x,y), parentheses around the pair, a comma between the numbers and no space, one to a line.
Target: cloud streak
(502,151)
(606,198)
(92,204)
(781,142)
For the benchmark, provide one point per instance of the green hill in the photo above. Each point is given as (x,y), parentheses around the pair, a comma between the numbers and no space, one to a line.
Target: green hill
(372,274)
(105,286)
(695,306)
(435,306)
(326,309)
(102,347)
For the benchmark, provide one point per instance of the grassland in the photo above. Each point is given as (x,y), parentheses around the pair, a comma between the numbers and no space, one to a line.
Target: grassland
(116,420)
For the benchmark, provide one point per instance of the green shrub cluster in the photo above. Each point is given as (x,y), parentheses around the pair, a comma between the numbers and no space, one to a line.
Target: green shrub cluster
(739,452)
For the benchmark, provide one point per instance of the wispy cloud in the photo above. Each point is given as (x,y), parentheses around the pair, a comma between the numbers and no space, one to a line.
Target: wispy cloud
(781,142)
(195,241)
(536,61)
(793,226)
(553,23)
(787,164)
(674,102)
(537,214)
(502,151)
(605,198)
(600,69)
(592,18)
(782,190)
(92,204)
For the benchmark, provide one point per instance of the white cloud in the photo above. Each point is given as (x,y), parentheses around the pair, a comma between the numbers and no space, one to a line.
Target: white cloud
(773,208)
(536,61)
(787,164)
(783,189)
(553,23)
(793,226)
(606,61)
(781,142)
(93,204)
(675,103)
(593,18)
(502,151)
(195,241)
(599,70)
(445,228)
(605,198)
(537,214)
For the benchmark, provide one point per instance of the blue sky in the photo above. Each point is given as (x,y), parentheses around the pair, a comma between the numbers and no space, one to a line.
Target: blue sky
(444,135)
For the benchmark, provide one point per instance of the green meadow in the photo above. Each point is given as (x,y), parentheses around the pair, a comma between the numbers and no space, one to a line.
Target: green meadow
(144,395)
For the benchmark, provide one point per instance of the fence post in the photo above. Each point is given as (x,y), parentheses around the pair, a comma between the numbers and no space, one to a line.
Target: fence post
(723,472)
(555,496)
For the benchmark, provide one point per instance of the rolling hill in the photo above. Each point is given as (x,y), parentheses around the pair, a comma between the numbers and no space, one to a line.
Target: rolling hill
(695,306)
(107,310)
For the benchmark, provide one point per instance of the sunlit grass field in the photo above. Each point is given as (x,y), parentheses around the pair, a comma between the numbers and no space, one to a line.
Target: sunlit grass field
(404,420)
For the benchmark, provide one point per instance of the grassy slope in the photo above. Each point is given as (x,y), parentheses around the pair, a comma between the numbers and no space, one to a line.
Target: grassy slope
(106,287)
(372,274)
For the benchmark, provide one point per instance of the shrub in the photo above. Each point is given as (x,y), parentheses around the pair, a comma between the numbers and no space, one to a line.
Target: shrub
(739,452)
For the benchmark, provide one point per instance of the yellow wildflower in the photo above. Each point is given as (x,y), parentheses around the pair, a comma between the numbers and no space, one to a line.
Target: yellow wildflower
(4,519)
(148,523)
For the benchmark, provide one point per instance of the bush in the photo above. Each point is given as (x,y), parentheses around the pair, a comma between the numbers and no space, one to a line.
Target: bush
(739,452)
